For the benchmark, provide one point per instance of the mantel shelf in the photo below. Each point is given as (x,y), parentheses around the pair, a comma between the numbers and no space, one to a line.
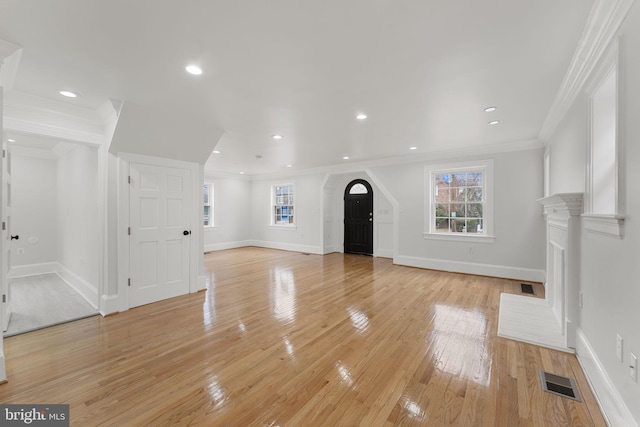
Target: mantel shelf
(563,203)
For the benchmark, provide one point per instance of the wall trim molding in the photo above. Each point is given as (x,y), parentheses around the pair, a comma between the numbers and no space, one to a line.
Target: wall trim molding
(32,269)
(109,304)
(516,273)
(292,247)
(601,28)
(615,411)
(211,247)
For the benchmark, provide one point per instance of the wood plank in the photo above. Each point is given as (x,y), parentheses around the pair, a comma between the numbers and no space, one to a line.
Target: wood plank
(280,338)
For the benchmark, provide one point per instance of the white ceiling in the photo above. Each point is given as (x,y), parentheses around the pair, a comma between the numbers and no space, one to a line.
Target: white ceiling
(422,70)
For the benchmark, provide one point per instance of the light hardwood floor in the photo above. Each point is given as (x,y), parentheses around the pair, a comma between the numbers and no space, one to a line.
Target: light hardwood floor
(288,339)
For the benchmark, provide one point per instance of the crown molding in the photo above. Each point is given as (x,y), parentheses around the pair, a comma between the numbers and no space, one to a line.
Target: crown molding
(26,113)
(601,29)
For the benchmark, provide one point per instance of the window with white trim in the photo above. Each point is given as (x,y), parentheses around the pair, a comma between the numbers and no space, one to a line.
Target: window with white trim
(604,196)
(458,200)
(208,203)
(282,205)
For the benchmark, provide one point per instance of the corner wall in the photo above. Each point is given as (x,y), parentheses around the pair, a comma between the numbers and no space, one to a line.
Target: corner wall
(609,266)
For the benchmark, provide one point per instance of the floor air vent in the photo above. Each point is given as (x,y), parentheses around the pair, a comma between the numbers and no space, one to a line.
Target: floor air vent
(526,288)
(562,386)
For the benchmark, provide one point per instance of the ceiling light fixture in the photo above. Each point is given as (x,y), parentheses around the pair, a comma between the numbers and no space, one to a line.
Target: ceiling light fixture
(276,136)
(241,173)
(494,122)
(193,69)
(361,116)
(490,109)
(216,151)
(345,158)
(68,94)
(289,166)
(413,148)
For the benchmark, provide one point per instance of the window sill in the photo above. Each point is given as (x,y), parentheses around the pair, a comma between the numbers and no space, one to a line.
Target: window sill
(283,227)
(608,225)
(459,237)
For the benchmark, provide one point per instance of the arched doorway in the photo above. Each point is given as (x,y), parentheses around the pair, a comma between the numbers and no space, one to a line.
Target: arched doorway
(358,218)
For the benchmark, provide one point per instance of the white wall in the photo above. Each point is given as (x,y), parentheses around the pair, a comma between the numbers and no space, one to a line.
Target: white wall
(334,215)
(518,249)
(231,213)
(78,214)
(34,210)
(609,266)
(306,236)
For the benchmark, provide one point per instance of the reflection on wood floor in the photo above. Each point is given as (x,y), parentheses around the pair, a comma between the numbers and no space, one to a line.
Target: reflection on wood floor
(282,338)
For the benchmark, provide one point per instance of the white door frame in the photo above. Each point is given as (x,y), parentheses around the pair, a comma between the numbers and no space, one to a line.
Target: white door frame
(124,161)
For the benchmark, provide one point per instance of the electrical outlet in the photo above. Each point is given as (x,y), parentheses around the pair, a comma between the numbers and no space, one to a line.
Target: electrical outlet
(633,367)
(619,347)
(470,249)
(20,251)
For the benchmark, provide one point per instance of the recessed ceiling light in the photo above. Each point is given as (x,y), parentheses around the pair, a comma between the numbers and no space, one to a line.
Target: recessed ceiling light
(289,166)
(494,122)
(241,173)
(276,136)
(68,94)
(216,151)
(11,140)
(490,109)
(193,69)
(345,158)
(361,116)
(413,148)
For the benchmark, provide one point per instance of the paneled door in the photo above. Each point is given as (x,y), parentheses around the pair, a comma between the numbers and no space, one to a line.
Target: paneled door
(358,218)
(160,233)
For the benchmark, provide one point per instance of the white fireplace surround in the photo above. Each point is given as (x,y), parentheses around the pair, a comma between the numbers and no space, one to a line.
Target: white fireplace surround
(553,321)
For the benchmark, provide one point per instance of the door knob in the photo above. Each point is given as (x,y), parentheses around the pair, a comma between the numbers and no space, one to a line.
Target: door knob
(370,219)
(186,232)
(16,237)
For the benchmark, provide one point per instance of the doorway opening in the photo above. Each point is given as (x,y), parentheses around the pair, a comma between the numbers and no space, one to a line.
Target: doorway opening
(53,257)
(358,218)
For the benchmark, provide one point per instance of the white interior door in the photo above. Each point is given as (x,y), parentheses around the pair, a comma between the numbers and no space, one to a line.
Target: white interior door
(160,207)
(6,234)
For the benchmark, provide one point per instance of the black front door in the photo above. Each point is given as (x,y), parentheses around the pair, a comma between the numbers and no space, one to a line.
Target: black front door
(358,218)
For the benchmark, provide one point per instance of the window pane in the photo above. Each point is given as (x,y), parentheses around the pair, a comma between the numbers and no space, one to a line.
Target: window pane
(443,210)
(474,210)
(442,224)
(474,226)
(459,179)
(457,194)
(458,225)
(458,210)
(207,210)
(475,178)
(474,194)
(206,194)
(358,189)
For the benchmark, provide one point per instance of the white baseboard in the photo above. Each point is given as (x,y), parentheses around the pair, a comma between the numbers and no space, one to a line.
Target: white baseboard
(227,245)
(33,269)
(288,247)
(201,282)
(88,291)
(611,403)
(109,304)
(516,273)
(384,253)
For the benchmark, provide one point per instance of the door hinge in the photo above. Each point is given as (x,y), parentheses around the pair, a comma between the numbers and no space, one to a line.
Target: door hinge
(129,179)
(4,153)
(4,225)
(4,298)
(129,281)
(129,231)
